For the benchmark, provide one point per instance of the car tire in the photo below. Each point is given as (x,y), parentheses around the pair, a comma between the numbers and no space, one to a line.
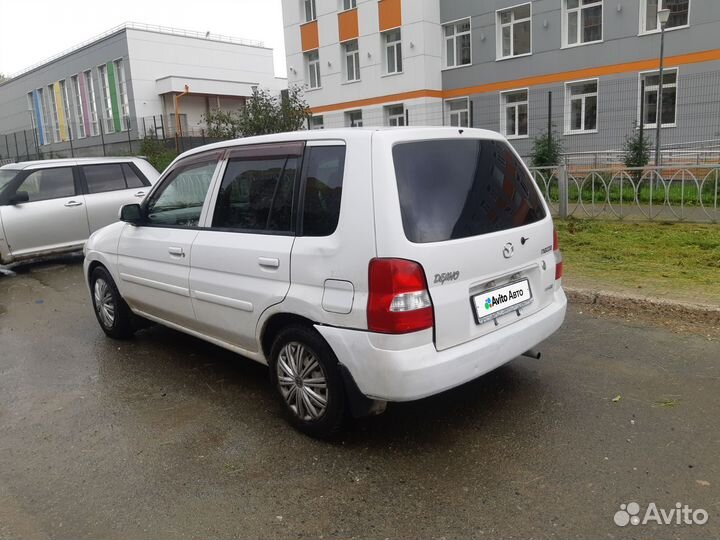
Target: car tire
(304,372)
(111,311)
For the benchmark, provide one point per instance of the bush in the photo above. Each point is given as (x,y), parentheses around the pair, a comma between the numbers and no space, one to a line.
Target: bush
(157,153)
(547,150)
(636,152)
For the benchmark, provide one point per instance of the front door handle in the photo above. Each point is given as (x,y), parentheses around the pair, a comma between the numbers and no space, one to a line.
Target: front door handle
(269,262)
(70,204)
(140,194)
(176,252)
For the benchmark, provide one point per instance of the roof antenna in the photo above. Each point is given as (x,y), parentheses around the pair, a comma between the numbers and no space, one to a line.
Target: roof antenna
(461,131)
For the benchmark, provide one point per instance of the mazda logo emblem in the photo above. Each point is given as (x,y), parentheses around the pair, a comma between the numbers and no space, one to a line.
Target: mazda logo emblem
(508,250)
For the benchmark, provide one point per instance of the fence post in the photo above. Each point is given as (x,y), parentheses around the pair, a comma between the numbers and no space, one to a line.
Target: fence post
(27,148)
(102,135)
(7,146)
(129,129)
(563,190)
(70,137)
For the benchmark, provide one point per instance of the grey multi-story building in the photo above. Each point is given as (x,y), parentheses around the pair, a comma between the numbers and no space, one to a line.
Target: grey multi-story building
(122,85)
(587,68)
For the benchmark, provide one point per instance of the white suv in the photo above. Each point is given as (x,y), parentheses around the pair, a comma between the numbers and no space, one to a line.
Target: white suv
(50,207)
(363,266)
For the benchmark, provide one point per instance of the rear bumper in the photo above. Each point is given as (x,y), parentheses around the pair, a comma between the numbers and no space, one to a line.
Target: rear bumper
(393,373)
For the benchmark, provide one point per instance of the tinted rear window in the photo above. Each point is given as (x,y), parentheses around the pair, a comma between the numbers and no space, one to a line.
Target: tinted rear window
(456,188)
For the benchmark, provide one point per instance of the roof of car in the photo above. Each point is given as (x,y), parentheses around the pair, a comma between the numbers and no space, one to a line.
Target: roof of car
(66,161)
(343,133)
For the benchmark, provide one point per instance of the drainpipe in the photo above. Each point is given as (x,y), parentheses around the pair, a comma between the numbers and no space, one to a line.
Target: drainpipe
(178,126)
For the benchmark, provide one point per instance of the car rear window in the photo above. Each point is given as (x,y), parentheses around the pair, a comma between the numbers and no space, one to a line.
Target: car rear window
(456,188)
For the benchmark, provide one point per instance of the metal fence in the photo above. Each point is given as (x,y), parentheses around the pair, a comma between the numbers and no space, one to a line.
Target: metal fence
(667,193)
(24,145)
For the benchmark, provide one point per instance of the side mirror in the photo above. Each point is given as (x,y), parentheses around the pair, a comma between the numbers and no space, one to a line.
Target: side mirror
(131,213)
(20,197)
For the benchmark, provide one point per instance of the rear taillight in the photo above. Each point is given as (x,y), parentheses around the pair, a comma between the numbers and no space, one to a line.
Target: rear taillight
(398,300)
(558,256)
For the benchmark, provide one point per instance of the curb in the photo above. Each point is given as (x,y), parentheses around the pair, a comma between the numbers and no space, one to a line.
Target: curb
(644,305)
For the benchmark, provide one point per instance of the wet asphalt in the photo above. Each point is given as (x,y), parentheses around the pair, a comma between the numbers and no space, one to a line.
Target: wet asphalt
(165,436)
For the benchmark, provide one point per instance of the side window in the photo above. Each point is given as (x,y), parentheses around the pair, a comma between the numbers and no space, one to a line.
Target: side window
(257,195)
(131,178)
(45,184)
(179,201)
(106,177)
(323,190)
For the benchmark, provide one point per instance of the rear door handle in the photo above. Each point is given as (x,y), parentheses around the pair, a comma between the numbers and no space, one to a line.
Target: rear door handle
(176,252)
(70,204)
(269,262)
(140,194)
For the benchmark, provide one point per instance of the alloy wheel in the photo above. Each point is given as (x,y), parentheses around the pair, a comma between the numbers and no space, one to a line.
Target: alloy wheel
(302,381)
(104,302)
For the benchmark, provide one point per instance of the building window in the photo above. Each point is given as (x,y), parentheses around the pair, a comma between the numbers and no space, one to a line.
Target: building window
(35,120)
(457,112)
(395,115)
(393,51)
(514,114)
(47,116)
(582,21)
(122,93)
(352,61)
(649,83)
(68,128)
(317,122)
(310,11)
(349,4)
(54,119)
(458,48)
(679,11)
(92,102)
(581,100)
(514,31)
(312,59)
(354,119)
(108,125)
(79,117)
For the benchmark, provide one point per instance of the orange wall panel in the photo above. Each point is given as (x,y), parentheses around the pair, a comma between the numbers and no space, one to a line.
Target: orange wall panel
(348,25)
(390,12)
(309,36)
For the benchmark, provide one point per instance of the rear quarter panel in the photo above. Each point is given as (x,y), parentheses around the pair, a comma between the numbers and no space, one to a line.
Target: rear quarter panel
(343,256)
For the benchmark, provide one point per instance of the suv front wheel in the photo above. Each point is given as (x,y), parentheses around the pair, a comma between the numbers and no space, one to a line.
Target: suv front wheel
(305,374)
(112,312)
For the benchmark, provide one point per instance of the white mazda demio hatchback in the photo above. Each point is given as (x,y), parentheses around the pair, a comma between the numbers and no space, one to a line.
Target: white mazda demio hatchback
(361,265)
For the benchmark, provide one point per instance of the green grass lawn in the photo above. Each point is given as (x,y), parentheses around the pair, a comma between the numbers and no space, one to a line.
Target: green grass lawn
(676,260)
(689,194)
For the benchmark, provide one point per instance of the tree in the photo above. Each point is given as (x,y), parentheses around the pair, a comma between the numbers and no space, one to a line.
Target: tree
(547,150)
(636,151)
(263,113)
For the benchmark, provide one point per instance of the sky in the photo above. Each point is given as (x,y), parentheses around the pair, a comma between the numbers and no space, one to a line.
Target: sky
(32,30)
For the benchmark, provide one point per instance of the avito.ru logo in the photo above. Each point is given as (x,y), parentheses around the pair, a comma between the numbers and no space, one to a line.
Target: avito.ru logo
(629,514)
(500,299)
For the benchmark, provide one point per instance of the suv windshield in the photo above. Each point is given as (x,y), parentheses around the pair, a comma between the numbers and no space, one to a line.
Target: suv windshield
(456,188)
(6,177)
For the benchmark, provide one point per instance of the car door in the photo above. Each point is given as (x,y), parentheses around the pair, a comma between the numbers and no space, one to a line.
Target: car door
(53,219)
(240,263)
(109,186)
(154,257)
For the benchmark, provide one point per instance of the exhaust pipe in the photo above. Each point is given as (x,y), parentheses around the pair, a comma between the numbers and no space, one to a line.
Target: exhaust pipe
(532,353)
